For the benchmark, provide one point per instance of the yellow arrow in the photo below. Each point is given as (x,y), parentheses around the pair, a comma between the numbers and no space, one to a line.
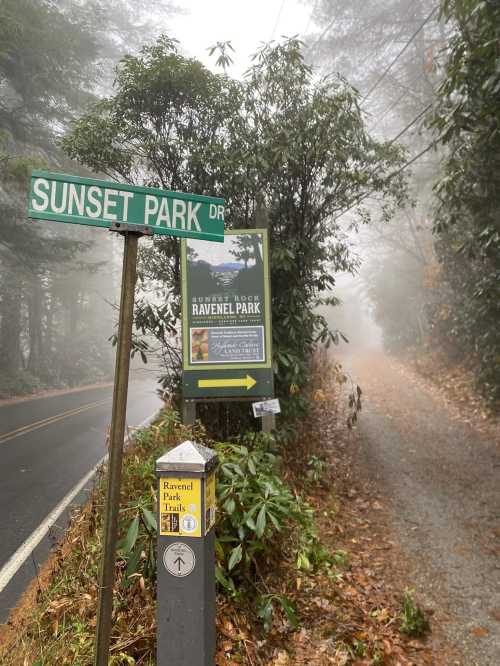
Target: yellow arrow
(247,382)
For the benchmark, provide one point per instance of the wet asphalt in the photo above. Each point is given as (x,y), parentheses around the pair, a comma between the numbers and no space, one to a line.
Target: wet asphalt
(47,445)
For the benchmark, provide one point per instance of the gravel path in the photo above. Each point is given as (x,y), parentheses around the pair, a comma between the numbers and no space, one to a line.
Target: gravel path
(441,478)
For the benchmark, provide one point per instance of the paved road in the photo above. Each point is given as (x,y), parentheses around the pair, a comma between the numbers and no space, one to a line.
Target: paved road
(440,476)
(46,446)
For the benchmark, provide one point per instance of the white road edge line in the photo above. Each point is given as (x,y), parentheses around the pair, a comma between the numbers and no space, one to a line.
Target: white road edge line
(15,562)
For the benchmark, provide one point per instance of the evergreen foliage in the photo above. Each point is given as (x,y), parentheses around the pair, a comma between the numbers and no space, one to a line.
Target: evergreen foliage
(54,315)
(467,223)
(279,141)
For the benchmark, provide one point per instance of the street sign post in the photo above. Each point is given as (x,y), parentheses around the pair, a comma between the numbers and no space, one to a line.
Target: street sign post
(226,317)
(133,212)
(186,556)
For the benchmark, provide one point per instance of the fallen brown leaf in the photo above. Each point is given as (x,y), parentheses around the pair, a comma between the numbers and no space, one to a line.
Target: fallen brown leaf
(480,632)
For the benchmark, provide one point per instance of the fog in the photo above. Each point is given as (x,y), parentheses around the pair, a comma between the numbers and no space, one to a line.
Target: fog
(60,284)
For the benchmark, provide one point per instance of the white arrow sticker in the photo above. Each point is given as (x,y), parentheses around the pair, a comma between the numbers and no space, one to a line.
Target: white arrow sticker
(179,559)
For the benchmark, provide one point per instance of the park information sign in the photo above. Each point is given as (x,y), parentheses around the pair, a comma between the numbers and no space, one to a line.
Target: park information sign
(226,316)
(98,203)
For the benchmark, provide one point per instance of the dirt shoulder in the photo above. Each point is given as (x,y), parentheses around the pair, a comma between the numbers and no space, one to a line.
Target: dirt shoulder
(434,465)
(354,617)
(349,610)
(350,614)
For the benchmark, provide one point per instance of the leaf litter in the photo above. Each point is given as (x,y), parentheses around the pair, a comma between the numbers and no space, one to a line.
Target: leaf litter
(348,612)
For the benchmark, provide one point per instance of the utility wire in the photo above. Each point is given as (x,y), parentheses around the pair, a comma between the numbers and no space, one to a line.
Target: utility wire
(393,105)
(323,34)
(387,179)
(405,166)
(410,124)
(393,62)
(377,83)
(372,89)
(389,108)
(403,131)
(406,89)
(329,27)
(278,17)
(416,119)
(384,113)
(313,11)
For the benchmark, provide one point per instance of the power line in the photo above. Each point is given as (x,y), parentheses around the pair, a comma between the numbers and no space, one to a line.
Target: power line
(402,132)
(278,17)
(393,105)
(407,86)
(335,18)
(387,179)
(398,171)
(393,62)
(388,40)
(421,75)
(373,54)
(313,11)
(324,33)
(416,119)
(406,89)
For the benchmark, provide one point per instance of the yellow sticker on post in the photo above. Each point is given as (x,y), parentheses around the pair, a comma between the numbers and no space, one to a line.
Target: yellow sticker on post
(209,503)
(180,507)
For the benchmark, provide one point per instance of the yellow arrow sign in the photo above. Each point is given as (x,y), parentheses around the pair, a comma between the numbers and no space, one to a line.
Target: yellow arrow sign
(243,382)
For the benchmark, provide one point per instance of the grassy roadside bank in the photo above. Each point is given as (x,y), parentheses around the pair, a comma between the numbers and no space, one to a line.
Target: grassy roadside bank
(292,589)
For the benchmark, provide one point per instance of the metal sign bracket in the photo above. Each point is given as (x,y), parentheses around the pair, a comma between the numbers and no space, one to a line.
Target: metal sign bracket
(124,227)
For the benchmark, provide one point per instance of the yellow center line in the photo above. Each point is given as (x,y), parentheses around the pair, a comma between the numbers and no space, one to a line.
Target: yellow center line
(23,430)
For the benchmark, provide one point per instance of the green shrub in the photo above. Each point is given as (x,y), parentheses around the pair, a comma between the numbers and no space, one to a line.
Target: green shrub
(137,548)
(316,468)
(21,383)
(257,510)
(413,621)
(259,519)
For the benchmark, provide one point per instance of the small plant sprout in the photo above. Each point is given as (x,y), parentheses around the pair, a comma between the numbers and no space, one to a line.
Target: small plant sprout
(413,621)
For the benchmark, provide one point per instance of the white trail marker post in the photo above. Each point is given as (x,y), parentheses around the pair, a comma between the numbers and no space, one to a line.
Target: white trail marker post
(186,556)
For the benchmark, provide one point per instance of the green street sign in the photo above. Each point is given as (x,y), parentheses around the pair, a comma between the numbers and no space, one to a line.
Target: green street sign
(226,317)
(139,210)
(99,203)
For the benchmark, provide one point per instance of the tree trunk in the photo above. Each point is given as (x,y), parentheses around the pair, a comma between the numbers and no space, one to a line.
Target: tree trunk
(10,329)
(35,304)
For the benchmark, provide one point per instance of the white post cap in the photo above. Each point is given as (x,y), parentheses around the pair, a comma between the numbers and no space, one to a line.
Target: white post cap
(187,457)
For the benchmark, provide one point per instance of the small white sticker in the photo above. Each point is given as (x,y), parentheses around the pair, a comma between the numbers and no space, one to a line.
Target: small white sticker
(266,407)
(179,559)
(189,523)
